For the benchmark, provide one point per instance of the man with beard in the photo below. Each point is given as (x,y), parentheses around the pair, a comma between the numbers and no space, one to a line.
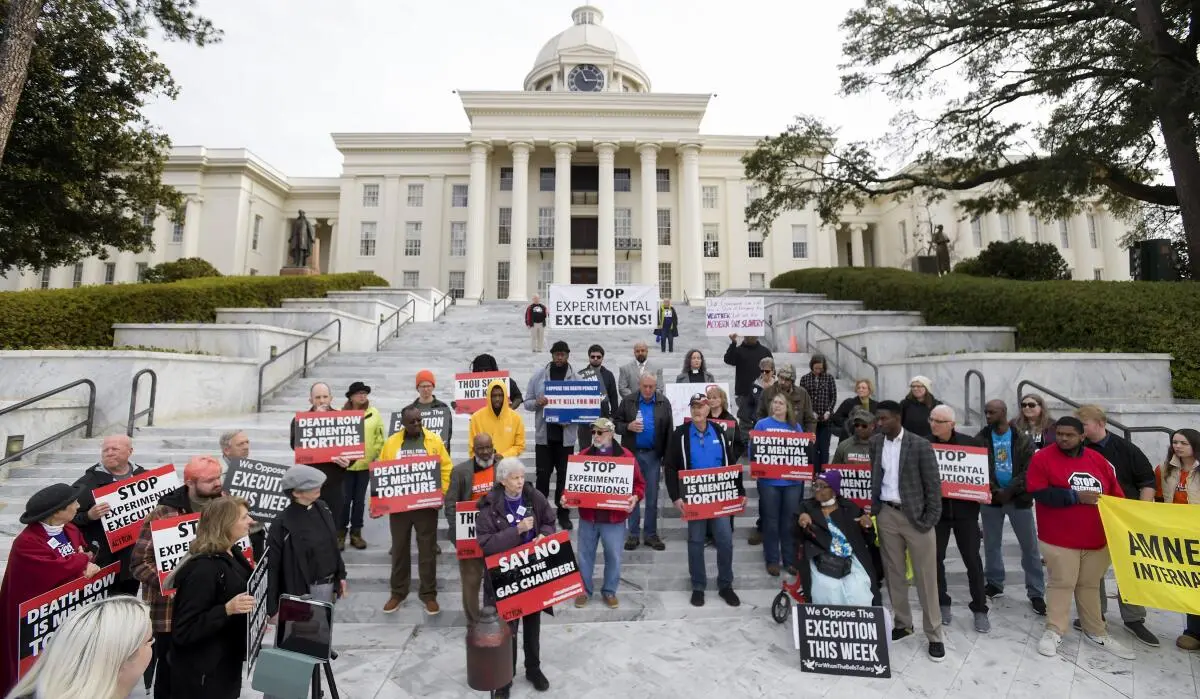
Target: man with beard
(595,370)
(469,481)
(553,443)
(201,485)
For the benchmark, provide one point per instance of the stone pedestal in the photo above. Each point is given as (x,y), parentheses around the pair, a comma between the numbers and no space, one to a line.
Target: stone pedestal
(296,271)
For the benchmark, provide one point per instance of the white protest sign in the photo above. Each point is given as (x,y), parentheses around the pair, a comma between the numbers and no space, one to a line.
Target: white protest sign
(589,307)
(680,393)
(744,315)
(130,500)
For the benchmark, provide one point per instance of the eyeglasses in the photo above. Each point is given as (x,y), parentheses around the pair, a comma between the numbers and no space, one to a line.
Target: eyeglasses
(940,422)
(597,356)
(1030,404)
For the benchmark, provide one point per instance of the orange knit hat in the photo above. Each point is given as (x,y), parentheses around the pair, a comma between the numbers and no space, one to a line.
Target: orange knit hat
(425,375)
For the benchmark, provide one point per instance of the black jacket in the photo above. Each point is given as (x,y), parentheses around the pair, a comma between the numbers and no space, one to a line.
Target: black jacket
(914,416)
(93,530)
(837,421)
(1134,471)
(816,539)
(208,645)
(608,386)
(744,359)
(288,573)
(1022,451)
(679,453)
(628,412)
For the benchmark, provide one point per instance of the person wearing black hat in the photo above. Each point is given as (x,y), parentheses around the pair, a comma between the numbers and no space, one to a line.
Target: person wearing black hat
(358,474)
(48,553)
(554,443)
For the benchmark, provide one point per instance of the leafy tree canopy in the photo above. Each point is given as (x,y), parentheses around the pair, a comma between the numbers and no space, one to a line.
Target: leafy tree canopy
(1017,259)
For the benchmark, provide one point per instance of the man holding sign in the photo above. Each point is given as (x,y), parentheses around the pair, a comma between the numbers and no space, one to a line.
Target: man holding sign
(114,466)
(470,481)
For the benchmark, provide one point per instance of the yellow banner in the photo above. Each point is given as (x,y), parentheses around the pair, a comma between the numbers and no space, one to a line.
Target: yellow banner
(1155,549)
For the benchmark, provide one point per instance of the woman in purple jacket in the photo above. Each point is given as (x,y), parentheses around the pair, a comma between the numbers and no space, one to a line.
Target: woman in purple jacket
(514,513)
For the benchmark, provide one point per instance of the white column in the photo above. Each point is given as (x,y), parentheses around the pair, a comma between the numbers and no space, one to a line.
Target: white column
(518,251)
(693,244)
(857,257)
(828,237)
(1084,261)
(562,212)
(325,257)
(191,227)
(649,211)
(476,220)
(606,251)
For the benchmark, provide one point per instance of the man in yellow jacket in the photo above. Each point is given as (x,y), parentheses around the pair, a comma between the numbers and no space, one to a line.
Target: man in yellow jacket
(415,440)
(500,422)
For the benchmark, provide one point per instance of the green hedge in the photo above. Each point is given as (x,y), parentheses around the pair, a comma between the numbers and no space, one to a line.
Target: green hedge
(1106,316)
(85,316)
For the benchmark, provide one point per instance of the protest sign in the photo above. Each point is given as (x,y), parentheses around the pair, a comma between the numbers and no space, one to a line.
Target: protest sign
(534,576)
(856,478)
(679,394)
(256,621)
(259,483)
(599,482)
(964,472)
(708,493)
(130,501)
(589,307)
(321,437)
(568,402)
(465,544)
(839,640)
(1155,550)
(438,419)
(172,537)
(406,484)
(744,315)
(41,616)
(781,455)
(470,390)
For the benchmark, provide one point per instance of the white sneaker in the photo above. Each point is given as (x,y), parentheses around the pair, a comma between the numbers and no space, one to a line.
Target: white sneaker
(1110,644)
(1049,644)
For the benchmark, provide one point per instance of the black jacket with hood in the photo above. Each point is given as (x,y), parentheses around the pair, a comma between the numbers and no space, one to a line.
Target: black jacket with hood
(208,645)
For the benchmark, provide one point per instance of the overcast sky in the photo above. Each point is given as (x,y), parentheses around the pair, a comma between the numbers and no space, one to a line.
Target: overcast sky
(290,72)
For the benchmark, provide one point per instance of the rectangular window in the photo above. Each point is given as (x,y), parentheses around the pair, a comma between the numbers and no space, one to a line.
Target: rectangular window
(370,195)
(177,228)
(977,232)
(754,192)
(904,237)
(458,196)
(412,238)
(502,268)
(77,276)
(545,221)
(1035,228)
(458,239)
(758,280)
(505,230)
(366,239)
(754,249)
(1098,274)
(141,270)
(664,226)
(506,178)
(546,179)
(708,195)
(256,232)
(1093,234)
(1064,235)
(412,278)
(1006,226)
(545,275)
(712,240)
(662,177)
(148,218)
(622,180)
(44,282)
(623,223)
(110,272)
(416,195)
(664,279)
(800,242)
(458,284)
(624,274)
(712,283)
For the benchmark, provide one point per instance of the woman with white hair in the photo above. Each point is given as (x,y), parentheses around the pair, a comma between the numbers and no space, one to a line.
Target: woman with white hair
(99,652)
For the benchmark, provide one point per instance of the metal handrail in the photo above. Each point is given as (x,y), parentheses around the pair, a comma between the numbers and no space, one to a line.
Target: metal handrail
(967,393)
(86,424)
(303,370)
(412,318)
(148,413)
(445,301)
(837,353)
(1125,430)
(686,300)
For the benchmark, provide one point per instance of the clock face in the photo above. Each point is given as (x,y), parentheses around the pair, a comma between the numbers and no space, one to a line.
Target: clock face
(585,78)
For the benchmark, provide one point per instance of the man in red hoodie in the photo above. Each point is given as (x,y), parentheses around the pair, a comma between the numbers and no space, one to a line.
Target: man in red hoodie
(1066,481)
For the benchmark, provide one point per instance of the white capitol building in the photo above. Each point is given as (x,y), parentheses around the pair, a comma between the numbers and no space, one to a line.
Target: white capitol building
(585,176)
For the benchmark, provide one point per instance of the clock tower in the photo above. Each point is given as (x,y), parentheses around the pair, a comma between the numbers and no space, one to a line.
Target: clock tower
(587,57)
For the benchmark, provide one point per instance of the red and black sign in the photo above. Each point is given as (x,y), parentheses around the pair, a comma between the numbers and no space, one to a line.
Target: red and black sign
(130,500)
(781,455)
(599,482)
(708,493)
(535,576)
(322,437)
(41,616)
(465,543)
(856,478)
(403,485)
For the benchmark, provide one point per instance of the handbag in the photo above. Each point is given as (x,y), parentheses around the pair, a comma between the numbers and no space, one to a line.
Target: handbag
(833,566)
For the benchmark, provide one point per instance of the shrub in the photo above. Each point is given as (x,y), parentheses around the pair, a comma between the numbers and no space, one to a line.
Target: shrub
(85,316)
(178,270)
(1017,259)
(1114,316)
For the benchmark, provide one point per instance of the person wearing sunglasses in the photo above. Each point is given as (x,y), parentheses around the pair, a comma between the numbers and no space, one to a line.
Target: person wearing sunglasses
(836,566)
(1035,422)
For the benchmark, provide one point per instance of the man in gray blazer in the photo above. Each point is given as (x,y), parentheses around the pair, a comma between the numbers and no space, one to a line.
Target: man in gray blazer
(631,374)
(906,499)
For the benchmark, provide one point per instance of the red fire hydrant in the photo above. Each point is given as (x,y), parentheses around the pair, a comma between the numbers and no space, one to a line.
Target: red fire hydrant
(489,652)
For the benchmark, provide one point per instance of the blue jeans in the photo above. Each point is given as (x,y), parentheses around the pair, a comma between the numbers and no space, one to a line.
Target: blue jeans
(590,535)
(651,467)
(722,531)
(778,505)
(1026,531)
(355,486)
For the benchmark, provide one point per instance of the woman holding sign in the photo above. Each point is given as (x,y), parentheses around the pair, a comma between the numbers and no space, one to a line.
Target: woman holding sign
(779,499)
(48,553)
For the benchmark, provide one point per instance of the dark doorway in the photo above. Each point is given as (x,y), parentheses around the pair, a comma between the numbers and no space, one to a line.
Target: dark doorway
(585,234)
(585,275)
(585,178)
